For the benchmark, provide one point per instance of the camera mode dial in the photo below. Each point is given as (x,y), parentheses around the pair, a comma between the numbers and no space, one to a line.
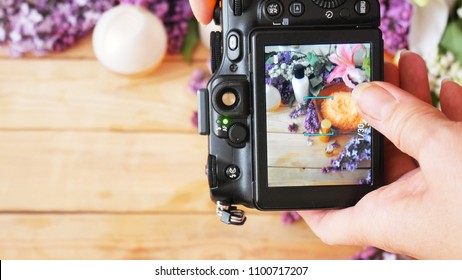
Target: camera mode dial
(329,4)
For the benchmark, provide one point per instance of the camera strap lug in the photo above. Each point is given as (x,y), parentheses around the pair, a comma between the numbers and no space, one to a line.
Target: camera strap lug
(229,214)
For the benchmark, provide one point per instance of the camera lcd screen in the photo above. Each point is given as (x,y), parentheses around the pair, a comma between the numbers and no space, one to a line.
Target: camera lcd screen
(315,136)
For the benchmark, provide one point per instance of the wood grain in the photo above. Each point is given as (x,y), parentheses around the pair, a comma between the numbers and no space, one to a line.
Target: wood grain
(100,171)
(161,236)
(82,95)
(293,150)
(95,165)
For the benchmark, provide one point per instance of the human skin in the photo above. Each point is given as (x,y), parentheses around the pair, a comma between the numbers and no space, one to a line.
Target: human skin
(203,10)
(418,212)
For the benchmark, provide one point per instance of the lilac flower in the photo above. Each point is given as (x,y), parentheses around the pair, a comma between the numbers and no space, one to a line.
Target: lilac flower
(41,26)
(312,123)
(355,151)
(395,22)
(198,81)
(300,110)
(194,119)
(293,128)
(284,86)
(175,14)
(372,253)
(289,217)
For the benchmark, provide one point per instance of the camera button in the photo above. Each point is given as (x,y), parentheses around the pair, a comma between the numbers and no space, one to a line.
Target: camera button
(362,7)
(233,42)
(297,9)
(237,134)
(345,13)
(273,8)
(234,51)
(232,172)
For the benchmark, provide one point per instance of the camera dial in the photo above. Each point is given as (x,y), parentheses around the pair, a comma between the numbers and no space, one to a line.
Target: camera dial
(329,4)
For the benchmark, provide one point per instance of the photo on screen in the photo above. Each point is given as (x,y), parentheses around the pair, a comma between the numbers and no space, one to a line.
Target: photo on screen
(315,136)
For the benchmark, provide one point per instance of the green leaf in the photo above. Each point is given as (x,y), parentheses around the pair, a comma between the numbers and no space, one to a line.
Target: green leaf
(191,40)
(452,38)
(315,81)
(316,90)
(292,101)
(312,58)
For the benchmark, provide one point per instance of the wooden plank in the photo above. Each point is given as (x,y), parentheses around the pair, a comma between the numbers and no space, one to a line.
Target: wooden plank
(158,237)
(83,49)
(280,177)
(98,171)
(293,150)
(82,95)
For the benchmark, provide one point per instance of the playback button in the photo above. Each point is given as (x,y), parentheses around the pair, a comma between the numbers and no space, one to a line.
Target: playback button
(232,172)
(297,9)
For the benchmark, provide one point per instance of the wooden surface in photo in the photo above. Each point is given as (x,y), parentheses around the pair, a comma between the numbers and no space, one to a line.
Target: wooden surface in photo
(94,165)
(297,160)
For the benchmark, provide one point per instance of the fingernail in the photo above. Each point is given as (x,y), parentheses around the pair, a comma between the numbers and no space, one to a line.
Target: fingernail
(445,80)
(374,101)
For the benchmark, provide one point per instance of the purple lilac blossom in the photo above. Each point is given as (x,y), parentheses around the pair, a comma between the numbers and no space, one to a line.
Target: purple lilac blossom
(198,81)
(284,87)
(194,119)
(41,26)
(372,253)
(289,217)
(355,151)
(312,123)
(395,22)
(175,14)
(300,110)
(293,128)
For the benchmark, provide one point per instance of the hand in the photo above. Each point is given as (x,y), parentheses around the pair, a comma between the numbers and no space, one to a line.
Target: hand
(203,10)
(419,212)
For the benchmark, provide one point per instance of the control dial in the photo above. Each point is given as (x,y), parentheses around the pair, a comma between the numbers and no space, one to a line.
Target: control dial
(329,4)
(237,7)
(216,49)
(237,133)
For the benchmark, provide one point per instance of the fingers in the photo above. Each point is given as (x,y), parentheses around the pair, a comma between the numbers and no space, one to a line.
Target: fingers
(391,74)
(396,163)
(203,10)
(413,76)
(451,100)
(368,223)
(404,119)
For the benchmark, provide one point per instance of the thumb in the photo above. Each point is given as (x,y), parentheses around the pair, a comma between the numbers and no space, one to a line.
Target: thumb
(203,10)
(403,118)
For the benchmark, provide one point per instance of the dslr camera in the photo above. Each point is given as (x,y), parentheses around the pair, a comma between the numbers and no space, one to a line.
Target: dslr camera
(283,130)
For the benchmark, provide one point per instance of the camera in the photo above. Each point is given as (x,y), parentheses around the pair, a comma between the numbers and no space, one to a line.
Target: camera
(282,128)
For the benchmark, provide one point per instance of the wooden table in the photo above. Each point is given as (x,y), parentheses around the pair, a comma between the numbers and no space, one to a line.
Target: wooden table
(99,166)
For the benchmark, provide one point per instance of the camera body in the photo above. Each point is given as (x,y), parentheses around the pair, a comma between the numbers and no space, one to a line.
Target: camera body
(283,131)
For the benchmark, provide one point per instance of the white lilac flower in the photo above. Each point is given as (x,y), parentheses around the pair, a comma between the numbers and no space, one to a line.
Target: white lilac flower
(424,34)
